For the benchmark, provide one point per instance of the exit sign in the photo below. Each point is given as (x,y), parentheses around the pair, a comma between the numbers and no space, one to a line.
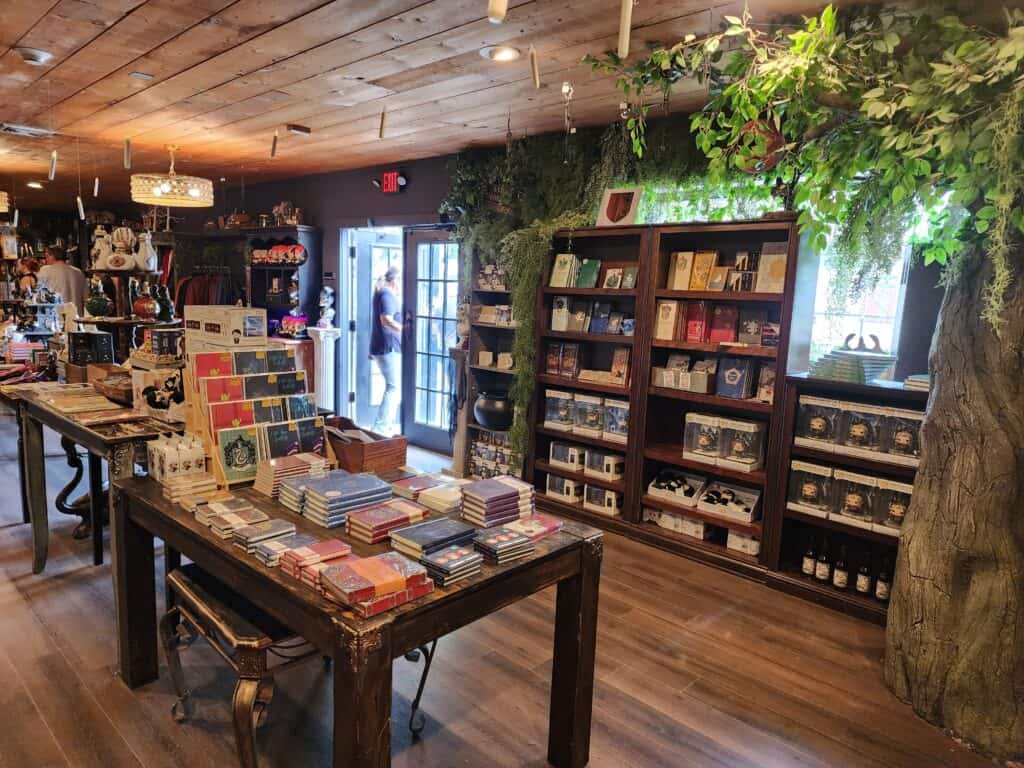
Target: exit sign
(392,182)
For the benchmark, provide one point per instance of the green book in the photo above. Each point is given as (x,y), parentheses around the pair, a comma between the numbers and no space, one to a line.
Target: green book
(590,270)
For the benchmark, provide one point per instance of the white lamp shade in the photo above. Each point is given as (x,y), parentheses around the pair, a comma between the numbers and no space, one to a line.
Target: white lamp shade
(496,10)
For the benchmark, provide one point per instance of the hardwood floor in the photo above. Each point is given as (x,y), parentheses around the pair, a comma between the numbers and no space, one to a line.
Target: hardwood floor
(695,668)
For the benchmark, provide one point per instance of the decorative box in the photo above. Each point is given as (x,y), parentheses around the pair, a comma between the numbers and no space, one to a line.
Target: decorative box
(742,445)
(904,431)
(855,499)
(892,500)
(702,438)
(731,501)
(235,327)
(602,501)
(810,489)
(616,420)
(741,542)
(564,489)
(85,347)
(600,463)
(678,523)
(817,423)
(566,456)
(863,430)
(681,488)
(588,417)
(702,377)
(558,410)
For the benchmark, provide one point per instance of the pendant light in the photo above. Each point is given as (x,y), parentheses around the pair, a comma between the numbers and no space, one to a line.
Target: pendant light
(496,10)
(78,164)
(127,154)
(383,121)
(171,190)
(534,67)
(273,146)
(625,22)
(5,203)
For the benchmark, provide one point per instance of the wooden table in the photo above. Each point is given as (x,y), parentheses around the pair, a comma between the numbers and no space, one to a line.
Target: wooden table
(362,649)
(107,442)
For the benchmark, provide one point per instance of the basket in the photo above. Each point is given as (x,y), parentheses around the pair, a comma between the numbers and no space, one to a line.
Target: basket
(379,456)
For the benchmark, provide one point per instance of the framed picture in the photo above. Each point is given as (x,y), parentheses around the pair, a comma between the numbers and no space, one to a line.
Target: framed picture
(619,207)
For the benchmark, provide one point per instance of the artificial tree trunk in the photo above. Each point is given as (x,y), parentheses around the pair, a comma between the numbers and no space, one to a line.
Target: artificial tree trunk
(955,637)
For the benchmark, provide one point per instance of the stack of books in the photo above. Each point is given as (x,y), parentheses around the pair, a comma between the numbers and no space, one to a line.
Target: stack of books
(451,564)
(919,382)
(292,493)
(192,502)
(269,474)
(496,501)
(310,575)
(412,487)
(205,512)
(294,560)
(502,545)
(177,487)
(249,536)
(422,539)
(269,552)
(329,499)
(224,526)
(372,525)
(373,585)
(536,526)
(401,473)
(445,498)
(851,365)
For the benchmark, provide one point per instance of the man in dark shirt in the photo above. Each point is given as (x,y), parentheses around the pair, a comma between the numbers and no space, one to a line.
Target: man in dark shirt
(386,348)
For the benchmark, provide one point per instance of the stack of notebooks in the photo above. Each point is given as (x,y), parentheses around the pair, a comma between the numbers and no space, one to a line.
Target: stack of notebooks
(412,487)
(373,585)
(422,539)
(451,564)
(224,526)
(177,487)
(292,493)
(501,545)
(536,526)
(330,498)
(269,474)
(401,473)
(294,560)
(372,525)
(496,501)
(269,552)
(443,499)
(192,502)
(311,574)
(206,512)
(248,537)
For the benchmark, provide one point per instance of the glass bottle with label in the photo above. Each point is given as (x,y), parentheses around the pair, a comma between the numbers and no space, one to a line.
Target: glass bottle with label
(863,584)
(840,571)
(810,559)
(883,584)
(823,567)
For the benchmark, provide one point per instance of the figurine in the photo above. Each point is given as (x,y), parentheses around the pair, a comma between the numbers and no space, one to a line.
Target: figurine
(853,504)
(326,308)
(903,441)
(462,325)
(810,492)
(101,249)
(897,509)
(124,241)
(147,259)
(163,300)
(859,433)
(818,427)
(706,440)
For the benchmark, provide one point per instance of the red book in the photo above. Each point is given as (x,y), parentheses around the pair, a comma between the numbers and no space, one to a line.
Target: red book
(697,316)
(372,577)
(381,518)
(410,487)
(536,526)
(207,364)
(222,389)
(227,415)
(724,322)
(329,549)
(378,605)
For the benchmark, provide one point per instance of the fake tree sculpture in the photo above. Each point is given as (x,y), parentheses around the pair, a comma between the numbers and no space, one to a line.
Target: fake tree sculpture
(873,115)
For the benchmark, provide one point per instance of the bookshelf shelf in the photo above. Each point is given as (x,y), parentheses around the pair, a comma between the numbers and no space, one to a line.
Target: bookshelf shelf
(609,292)
(493,369)
(575,437)
(750,406)
(673,454)
(588,386)
(600,482)
(734,350)
(495,326)
(723,296)
(602,338)
(856,463)
(789,579)
(835,525)
(751,529)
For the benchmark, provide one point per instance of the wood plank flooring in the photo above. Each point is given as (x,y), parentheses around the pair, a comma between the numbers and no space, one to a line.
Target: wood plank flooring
(695,668)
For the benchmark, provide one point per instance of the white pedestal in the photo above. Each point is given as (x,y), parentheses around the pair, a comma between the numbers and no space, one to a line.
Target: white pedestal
(325,341)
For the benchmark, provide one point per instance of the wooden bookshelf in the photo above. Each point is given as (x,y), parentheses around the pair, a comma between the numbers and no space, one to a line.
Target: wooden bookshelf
(673,454)
(585,386)
(602,338)
(751,529)
(729,403)
(552,469)
(725,297)
(494,369)
(731,350)
(611,293)
(576,437)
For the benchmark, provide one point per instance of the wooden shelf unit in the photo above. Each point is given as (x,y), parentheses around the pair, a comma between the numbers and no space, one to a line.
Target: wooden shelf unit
(794,527)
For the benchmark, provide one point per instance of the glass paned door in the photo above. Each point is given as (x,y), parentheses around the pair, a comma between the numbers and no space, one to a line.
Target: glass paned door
(431,300)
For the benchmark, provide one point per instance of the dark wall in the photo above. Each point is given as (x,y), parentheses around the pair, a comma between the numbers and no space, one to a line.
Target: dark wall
(921,302)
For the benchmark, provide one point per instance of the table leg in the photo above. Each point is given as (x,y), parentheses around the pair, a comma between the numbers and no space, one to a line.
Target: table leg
(34,469)
(131,552)
(362,701)
(22,478)
(572,676)
(172,560)
(96,506)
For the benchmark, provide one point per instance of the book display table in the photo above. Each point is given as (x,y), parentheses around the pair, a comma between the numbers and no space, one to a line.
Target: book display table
(362,649)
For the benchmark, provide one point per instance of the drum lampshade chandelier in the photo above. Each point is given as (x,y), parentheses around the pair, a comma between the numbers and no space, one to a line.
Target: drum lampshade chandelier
(5,204)
(171,190)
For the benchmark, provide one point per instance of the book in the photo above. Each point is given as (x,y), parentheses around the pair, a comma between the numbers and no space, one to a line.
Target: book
(300,406)
(599,317)
(570,363)
(212,364)
(697,321)
(268,410)
(771,272)
(620,366)
(719,277)
(703,263)
(239,453)
(579,316)
(249,361)
(433,535)
(311,435)
(260,385)
(222,389)
(563,272)
(766,384)
(560,313)
(735,378)
(588,273)
(666,318)
(280,360)
(723,323)
(612,278)
(553,361)
(230,414)
(615,323)
(293,383)
(679,271)
(770,333)
(630,275)
(751,320)
(537,526)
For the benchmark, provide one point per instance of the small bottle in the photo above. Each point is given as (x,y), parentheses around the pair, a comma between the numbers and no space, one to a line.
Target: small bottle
(841,572)
(823,567)
(810,559)
(863,583)
(883,584)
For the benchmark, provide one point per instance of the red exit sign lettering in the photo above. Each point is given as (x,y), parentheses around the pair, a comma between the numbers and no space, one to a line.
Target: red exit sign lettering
(389,183)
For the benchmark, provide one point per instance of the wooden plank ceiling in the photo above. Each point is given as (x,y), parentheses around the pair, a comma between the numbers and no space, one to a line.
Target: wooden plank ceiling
(225,74)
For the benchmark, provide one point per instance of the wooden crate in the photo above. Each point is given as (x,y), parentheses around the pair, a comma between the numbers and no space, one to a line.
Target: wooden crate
(382,454)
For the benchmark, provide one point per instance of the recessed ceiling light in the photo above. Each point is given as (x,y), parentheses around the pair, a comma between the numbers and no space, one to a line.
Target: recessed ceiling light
(500,53)
(34,185)
(140,75)
(33,56)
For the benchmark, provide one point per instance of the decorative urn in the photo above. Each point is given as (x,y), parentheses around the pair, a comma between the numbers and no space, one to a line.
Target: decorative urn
(101,250)
(494,410)
(124,241)
(146,306)
(147,259)
(98,304)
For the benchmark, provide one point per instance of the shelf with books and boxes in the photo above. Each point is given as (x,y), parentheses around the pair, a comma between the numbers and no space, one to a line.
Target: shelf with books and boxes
(606,338)
(844,481)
